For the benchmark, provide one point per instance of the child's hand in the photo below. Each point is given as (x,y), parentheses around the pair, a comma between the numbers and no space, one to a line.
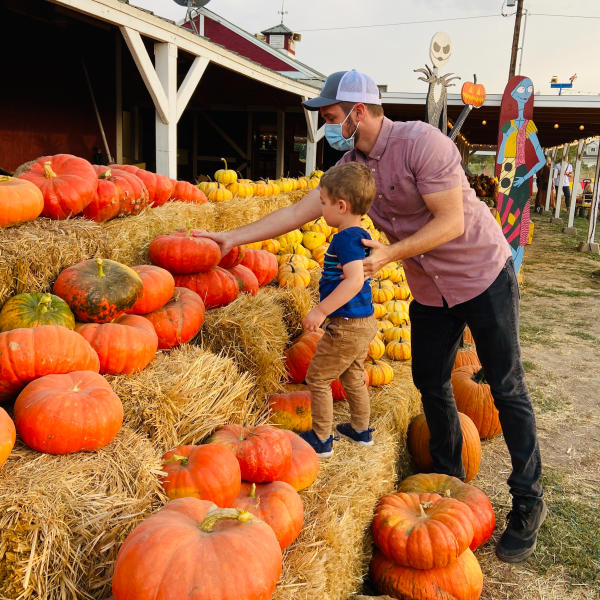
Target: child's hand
(314,319)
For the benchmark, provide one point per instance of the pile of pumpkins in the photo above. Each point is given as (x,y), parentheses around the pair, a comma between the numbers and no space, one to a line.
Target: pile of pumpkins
(228,185)
(425,534)
(236,495)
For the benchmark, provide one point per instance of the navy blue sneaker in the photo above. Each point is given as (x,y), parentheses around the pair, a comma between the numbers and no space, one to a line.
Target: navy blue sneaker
(323,449)
(364,438)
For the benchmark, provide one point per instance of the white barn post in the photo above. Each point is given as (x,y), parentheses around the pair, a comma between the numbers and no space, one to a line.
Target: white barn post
(550,181)
(590,245)
(569,229)
(563,168)
(165,59)
(279,157)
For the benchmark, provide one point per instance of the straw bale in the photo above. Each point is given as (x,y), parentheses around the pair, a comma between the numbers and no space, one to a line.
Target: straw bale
(184,395)
(63,518)
(251,330)
(241,211)
(130,236)
(33,254)
(331,556)
(295,302)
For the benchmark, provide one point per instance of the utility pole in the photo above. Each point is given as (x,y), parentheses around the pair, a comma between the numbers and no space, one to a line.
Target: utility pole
(516,36)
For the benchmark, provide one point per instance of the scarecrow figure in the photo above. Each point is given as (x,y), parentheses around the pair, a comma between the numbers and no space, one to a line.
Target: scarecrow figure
(439,52)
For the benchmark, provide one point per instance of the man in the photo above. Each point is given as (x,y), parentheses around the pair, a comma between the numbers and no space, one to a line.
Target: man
(459,269)
(566,179)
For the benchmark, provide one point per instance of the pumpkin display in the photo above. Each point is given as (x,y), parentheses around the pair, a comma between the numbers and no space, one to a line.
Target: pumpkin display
(234,257)
(465,357)
(239,189)
(474,398)
(70,412)
(461,580)
(20,201)
(277,504)
(401,333)
(216,287)
(401,292)
(158,287)
(35,309)
(124,346)
(398,350)
(8,436)
(300,353)
(208,472)
(67,183)
(376,348)
(262,263)
(292,260)
(179,320)
(292,410)
(29,353)
(221,194)
(105,204)
(472,93)
(225,176)
(418,445)
(210,552)
(382,327)
(380,373)
(422,531)
(397,318)
(206,186)
(98,289)
(304,466)
(264,452)
(290,238)
(484,519)
(246,279)
(184,191)
(184,251)
(293,277)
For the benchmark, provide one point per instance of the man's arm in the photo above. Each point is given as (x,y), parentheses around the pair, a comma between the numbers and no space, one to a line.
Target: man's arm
(447,224)
(277,223)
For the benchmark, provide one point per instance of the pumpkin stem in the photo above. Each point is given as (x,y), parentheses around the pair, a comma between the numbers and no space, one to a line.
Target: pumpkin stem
(188,229)
(44,303)
(253,491)
(225,163)
(4,178)
(100,264)
(423,513)
(48,172)
(479,377)
(224,514)
(182,460)
(106,174)
(474,78)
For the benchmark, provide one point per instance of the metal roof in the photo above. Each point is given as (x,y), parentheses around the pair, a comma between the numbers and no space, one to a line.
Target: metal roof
(280,28)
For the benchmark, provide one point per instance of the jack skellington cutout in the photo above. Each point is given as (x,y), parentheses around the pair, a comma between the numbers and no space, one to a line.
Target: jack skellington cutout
(440,50)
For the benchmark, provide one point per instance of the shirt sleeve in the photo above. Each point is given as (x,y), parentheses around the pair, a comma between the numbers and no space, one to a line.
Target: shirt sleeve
(349,246)
(435,163)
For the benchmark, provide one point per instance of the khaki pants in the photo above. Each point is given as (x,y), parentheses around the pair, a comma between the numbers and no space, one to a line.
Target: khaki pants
(341,352)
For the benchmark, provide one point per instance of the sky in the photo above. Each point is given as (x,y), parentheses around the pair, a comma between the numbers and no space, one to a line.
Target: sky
(374,37)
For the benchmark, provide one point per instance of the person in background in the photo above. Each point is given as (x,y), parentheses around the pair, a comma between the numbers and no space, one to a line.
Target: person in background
(542,178)
(566,180)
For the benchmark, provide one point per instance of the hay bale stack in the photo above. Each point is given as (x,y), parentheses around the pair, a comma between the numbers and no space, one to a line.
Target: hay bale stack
(131,236)
(251,330)
(295,303)
(33,254)
(184,395)
(63,518)
(331,557)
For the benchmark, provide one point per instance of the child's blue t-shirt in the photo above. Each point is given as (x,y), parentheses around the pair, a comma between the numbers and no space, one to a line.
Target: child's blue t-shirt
(346,246)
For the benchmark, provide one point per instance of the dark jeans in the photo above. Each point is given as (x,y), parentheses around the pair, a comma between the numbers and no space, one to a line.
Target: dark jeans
(566,194)
(493,318)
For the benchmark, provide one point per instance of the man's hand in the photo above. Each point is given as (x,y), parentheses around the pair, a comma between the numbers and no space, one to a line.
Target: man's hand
(314,319)
(223,238)
(380,256)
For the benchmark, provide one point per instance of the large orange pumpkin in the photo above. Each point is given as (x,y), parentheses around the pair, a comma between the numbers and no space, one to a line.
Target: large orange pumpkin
(126,345)
(277,504)
(418,445)
(184,251)
(67,182)
(422,531)
(246,279)
(106,202)
(98,290)
(461,580)
(20,201)
(8,435)
(33,310)
(263,264)
(484,519)
(300,353)
(29,353)
(190,549)
(304,466)
(133,194)
(208,472)
(159,186)
(466,357)
(72,412)
(184,191)
(216,287)
(179,320)
(234,257)
(474,398)
(264,452)
(292,410)
(159,286)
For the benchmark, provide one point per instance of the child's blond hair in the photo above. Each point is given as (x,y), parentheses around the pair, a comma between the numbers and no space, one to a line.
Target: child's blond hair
(353,183)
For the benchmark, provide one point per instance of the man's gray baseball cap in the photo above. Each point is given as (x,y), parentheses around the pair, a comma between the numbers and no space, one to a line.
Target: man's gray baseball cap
(345,86)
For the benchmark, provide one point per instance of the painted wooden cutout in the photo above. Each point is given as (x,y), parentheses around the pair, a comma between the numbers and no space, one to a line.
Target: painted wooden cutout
(519,157)
(440,50)
(473,96)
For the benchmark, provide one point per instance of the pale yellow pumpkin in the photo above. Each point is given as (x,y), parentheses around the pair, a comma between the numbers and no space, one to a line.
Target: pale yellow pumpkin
(398,350)
(396,306)
(272,246)
(397,319)
(293,276)
(397,275)
(254,245)
(380,372)
(221,194)
(312,264)
(383,273)
(317,173)
(379,310)
(241,190)
(402,292)
(289,238)
(294,259)
(376,348)
(226,176)
(396,333)
(381,293)
(382,327)
(207,186)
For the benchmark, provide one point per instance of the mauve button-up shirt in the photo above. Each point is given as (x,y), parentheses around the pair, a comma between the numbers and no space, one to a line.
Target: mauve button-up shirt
(413,158)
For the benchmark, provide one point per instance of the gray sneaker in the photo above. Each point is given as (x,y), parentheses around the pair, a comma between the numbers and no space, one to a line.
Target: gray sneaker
(520,536)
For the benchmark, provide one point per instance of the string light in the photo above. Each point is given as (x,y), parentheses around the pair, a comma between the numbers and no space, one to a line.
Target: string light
(484,122)
(555,125)
(581,128)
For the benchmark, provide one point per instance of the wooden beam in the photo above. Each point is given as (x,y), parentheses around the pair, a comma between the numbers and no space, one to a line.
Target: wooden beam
(146,69)
(575,183)
(118,98)
(166,131)
(224,135)
(563,168)
(311,141)
(550,181)
(279,157)
(192,78)
(594,208)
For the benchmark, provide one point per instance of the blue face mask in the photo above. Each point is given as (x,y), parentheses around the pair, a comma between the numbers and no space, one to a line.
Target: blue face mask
(335,138)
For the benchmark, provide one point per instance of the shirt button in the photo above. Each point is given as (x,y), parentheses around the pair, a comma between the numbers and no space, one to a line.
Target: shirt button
(380,195)
(393,218)
(435,276)
(422,256)
(373,170)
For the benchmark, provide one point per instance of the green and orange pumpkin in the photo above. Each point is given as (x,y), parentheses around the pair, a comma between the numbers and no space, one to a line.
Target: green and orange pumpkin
(35,309)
